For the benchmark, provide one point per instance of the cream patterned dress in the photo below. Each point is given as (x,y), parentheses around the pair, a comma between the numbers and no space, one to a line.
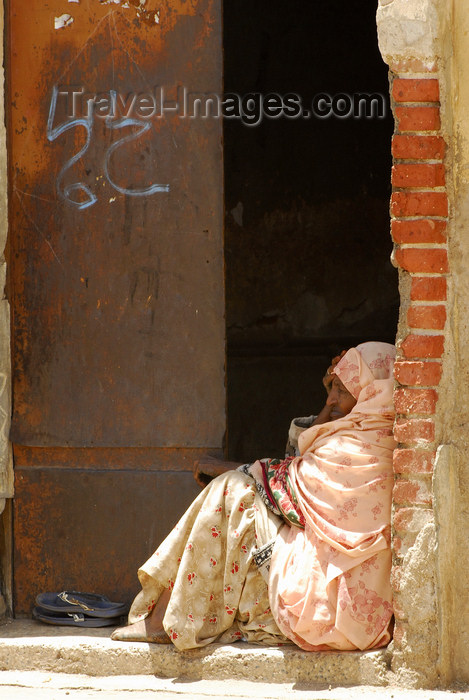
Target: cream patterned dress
(217,591)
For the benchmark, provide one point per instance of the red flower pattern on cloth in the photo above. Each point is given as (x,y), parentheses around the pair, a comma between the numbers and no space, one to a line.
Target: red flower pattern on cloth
(214,591)
(382,365)
(349,375)
(371,392)
(365,606)
(278,486)
(348,508)
(365,602)
(368,565)
(379,483)
(384,433)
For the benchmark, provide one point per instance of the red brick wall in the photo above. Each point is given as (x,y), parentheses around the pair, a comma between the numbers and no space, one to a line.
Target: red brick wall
(419,210)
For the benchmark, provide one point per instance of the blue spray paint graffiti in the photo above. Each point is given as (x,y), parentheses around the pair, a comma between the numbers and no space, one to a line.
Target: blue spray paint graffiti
(52,134)
(66,192)
(120,124)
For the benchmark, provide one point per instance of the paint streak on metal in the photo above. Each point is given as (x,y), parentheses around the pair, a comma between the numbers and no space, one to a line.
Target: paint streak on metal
(63,21)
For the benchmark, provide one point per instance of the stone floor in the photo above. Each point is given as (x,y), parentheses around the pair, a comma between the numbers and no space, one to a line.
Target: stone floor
(27,645)
(43,662)
(22,685)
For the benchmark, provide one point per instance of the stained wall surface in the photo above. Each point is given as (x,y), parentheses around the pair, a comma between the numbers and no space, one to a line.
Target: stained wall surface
(454,484)
(6,462)
(425,44)
(6,472)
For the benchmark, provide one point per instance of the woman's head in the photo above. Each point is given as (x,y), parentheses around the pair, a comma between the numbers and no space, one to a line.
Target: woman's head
(362,366)
(366,373)
(340,400)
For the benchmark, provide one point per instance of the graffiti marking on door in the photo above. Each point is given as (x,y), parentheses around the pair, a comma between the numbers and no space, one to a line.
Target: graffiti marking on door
(68,192)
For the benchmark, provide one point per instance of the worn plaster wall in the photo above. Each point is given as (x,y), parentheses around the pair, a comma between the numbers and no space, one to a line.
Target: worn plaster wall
(452,480)
(6,466)
(408,39)
(6,473)
(425,45)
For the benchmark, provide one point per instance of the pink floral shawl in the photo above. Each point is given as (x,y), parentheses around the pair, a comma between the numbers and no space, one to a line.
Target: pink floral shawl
(329,584)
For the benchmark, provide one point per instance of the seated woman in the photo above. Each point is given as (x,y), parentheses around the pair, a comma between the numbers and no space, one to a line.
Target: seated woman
(294,550)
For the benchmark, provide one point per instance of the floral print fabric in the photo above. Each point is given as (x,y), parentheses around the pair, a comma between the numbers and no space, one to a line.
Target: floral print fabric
(280,488)
(329,583)
(274,486)
(217,592)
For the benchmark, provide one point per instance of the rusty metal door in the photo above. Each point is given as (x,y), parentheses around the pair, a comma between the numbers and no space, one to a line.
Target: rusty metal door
(116,281)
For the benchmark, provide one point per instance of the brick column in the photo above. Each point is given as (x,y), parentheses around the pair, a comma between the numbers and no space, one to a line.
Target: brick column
(419,211)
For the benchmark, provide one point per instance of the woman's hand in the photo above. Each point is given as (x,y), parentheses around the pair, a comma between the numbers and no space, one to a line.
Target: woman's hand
(324,416)
(327,379)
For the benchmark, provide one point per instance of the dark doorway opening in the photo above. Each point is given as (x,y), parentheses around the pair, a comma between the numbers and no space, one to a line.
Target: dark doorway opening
(307,212)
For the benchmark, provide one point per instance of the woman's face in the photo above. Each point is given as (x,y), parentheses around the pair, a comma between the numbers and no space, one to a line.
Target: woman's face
(340,400)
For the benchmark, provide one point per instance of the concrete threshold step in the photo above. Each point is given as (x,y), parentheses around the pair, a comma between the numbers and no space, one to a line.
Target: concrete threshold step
(27,645)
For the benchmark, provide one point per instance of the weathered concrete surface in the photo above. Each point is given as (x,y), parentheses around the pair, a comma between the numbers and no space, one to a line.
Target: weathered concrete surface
(6,464)
(453,479)
(415,660)
(416,36)
(408,30)
(45,686)
(6,461)
(27,645)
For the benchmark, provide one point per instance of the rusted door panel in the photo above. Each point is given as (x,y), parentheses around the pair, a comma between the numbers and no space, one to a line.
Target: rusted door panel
(86,518)
(68,550)
(116,281)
